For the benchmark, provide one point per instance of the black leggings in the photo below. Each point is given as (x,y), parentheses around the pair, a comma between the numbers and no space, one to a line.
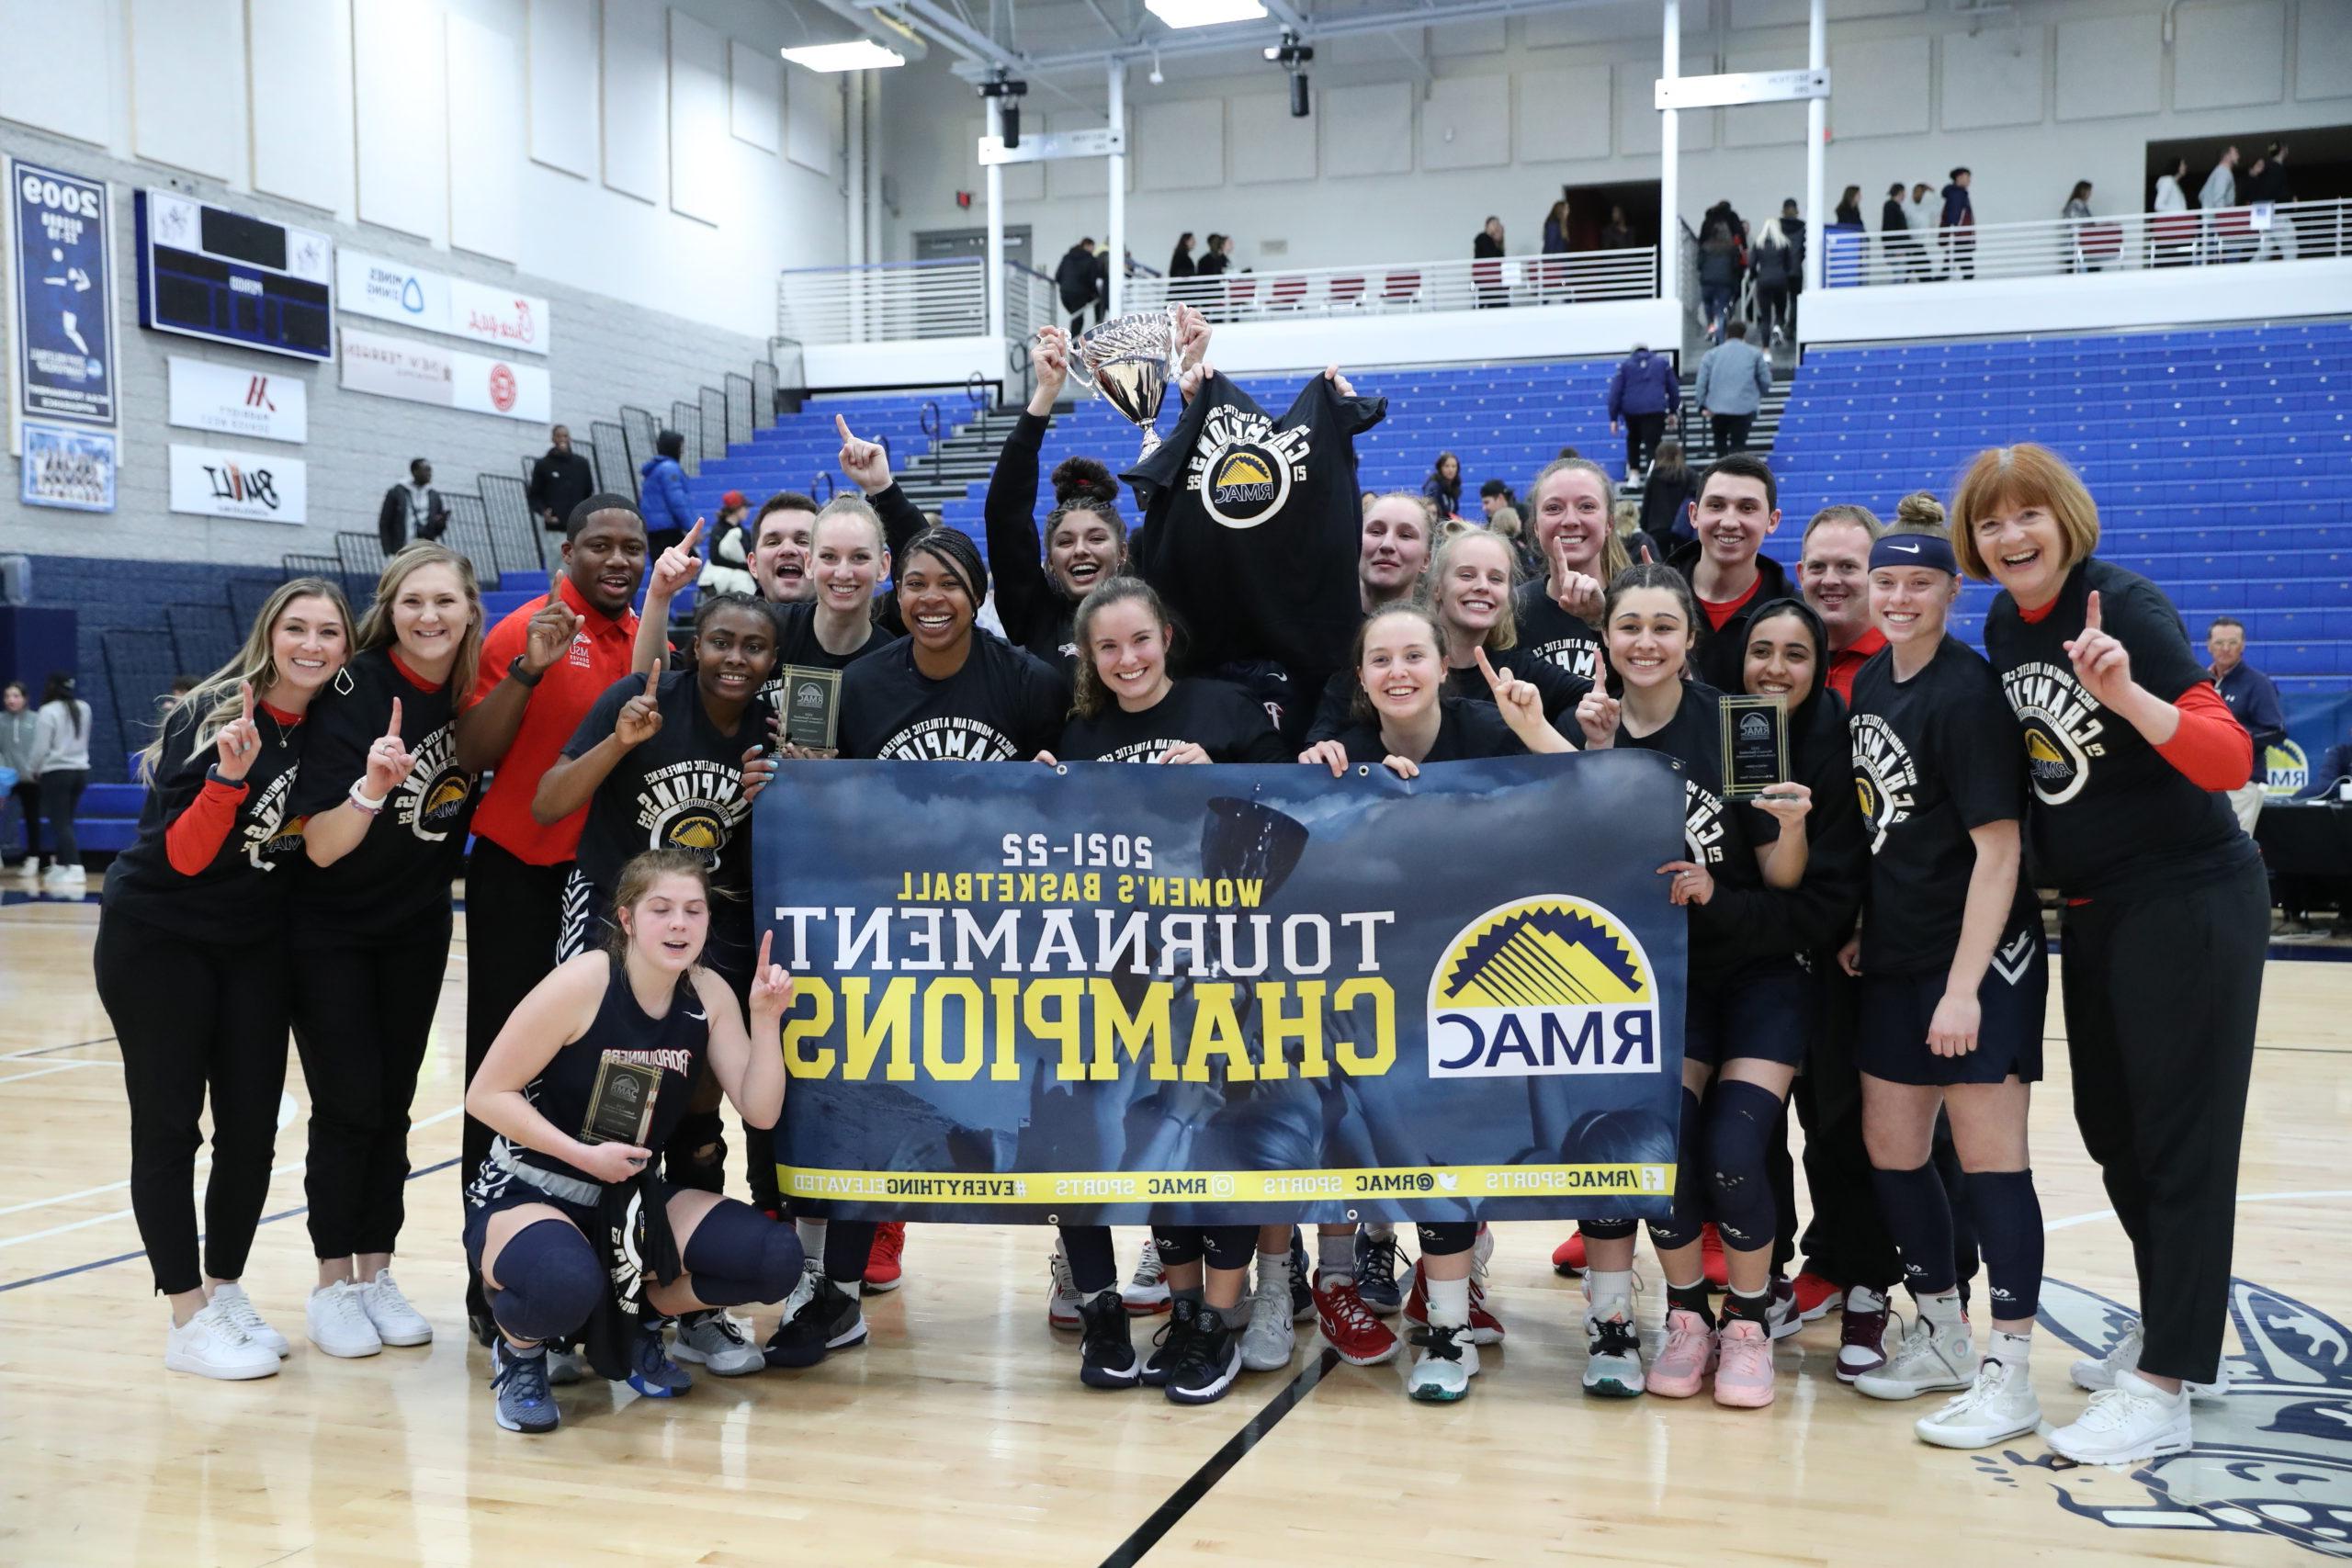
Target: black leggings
(1448,1238)
(61,797)
(1093,1265)
(193,1017)
(362,1016)
(27,793)
(1224,1246)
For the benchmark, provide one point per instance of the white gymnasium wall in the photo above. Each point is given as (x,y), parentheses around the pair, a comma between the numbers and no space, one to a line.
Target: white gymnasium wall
(1405,157)
(465,136)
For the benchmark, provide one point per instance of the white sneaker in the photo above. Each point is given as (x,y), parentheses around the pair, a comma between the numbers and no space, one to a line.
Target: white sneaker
(716,1340)
(1444,1361)
(566,1366)
(1270,1341)
(396,1321)
(2095,1374)
(337,1320)
(239,1308)
(1998,1406)
(211,1345)
(1612,1362)
(1061,1295)
(2132,1422)
(1148,1291)
(1929,1360)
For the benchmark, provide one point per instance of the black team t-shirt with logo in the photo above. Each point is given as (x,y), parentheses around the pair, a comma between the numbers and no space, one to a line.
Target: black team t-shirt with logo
(1552,634)
(1465,732)
(1220,719)
(1721,835)
(796,643)
(1253,525)
(400,872)
(1004,704)
(1934,757)
(2111,818)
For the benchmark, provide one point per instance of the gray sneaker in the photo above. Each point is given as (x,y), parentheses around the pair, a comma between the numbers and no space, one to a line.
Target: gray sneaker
(519,1387)
(1932,1359)
(713,1339)
(1270,1341)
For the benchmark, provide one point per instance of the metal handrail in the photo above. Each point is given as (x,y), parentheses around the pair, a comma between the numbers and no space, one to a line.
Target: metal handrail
(2127,241)
(884,302)
(932,425)
(1455,283)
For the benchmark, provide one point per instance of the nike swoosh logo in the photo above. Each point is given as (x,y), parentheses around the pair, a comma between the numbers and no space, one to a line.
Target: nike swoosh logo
(690,1013)
(1906,549)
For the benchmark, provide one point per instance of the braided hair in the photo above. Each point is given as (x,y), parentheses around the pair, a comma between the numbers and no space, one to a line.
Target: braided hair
(954,550)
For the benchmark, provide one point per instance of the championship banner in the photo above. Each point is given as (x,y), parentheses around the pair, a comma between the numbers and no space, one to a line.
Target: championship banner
(61,294)
(1224,995)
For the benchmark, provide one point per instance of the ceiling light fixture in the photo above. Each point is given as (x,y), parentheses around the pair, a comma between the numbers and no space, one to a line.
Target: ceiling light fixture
(1204,13)
(858,54)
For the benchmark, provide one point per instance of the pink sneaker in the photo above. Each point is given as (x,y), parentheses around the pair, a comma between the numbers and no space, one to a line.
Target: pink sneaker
(1743,1372)
(1688,1357)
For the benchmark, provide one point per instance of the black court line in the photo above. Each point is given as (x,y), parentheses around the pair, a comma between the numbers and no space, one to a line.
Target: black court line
(69,1045)
(1219,1464)
(127,1257)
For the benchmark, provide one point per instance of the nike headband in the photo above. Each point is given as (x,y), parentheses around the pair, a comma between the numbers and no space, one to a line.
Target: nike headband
(1914,549)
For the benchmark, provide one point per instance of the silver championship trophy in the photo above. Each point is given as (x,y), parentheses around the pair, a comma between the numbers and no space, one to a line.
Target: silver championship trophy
(1130,362)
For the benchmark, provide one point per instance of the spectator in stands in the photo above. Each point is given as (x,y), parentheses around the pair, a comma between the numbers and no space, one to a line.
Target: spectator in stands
(1921,209)
(1723,212)
(1495,496)
(2170,198)
(1075,280)
(2220,190)
(1487,246)
(1642,393)
(1834,570)
(729,570)
(1849,207)
(1218,258)
(1505,523)
(2253,700)
(2266,182)
(1180,262)
(1733,380)
(1792,229)
(1667,496)
(181,686)
(18,723)
(2172,245)
(412,511)
(1443,489)
(62,760)
(1738,507)
(2334,766)
(1556,229)
(662,492)
(1617,234)
(560,481)
(1778,268)
(1719,266)
(2077,211)
(1903,264)
(1958,221)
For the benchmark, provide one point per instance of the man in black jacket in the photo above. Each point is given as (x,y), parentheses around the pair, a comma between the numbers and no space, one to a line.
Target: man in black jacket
(560,481)
(412,511)
(1077,280)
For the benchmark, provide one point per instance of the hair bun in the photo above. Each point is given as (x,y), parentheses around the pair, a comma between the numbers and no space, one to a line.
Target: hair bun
(1919,510)
(1082,480)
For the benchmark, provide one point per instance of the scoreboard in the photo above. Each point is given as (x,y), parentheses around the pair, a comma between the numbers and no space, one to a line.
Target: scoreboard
(230,277)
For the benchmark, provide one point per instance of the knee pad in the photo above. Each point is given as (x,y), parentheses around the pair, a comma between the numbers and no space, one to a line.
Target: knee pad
(739,1255)
(553,1282)
(1229,1246)
(1680,1227)
(1448,1238)
(1177,1245)
(1741,1119)
(2008,1230)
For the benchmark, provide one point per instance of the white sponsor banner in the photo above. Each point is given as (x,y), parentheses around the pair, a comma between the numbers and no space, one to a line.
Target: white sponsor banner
(253,485)
(436,302)
(268,405)
(426,373)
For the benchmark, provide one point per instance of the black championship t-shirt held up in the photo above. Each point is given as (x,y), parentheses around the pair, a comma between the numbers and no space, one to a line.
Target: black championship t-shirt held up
(1552,634)
(1002,703)
(400,871)
(681,790)
(1934,757)
(2109,815)
(1221,719)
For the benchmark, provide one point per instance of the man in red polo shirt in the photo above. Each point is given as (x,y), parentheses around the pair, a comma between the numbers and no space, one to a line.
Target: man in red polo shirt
(1738,506)
(542,668)
(1834,568)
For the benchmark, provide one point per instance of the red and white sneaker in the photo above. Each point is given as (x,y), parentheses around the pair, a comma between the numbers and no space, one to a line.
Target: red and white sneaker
(882,1272)
(1816,1297)
(1710,1259)
(1485,1328)
(1681,1367)
(1568,1258)
(1350,1327)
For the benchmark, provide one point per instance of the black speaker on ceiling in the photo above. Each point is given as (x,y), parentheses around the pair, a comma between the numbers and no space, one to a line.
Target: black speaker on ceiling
(1298,102)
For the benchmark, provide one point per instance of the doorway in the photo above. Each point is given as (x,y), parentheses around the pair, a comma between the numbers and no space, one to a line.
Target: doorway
(1588,208)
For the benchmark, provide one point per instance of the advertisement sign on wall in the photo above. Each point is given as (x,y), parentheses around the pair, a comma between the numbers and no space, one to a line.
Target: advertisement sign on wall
(436,302)
(229,400)
(68,467)
(61,294)
(252,485)
(388,366)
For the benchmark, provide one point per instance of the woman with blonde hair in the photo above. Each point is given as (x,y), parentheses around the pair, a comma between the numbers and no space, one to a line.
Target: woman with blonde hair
(1575,506)
(191,969)
(386,808)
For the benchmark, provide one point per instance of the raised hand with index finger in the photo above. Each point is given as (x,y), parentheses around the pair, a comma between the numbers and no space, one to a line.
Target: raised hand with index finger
(1518,701)
(238,742)
(771,986)
(678,565)
(866,462)
(388,759)
(549,637)
(2102,664)
(640,718)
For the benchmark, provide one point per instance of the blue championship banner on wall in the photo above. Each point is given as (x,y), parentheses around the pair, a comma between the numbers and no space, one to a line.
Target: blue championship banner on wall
(62,279)
(1229,994)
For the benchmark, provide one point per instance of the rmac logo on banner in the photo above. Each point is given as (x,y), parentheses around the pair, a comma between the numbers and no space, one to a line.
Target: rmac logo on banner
(436,302)
(1542,986)
(264,404)
(425,373)
(213,483)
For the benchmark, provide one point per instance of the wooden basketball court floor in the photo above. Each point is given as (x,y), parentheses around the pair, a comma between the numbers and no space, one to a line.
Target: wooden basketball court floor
(960,1434)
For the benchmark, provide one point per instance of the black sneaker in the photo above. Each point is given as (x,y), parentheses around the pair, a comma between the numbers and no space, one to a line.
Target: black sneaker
(1168,1344)
(1209,1361)
(828,1321)
(1302,1289)
(1107,1354)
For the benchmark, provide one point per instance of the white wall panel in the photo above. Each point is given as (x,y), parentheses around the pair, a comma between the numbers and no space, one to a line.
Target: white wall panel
(563,78)
(1466,123)
(1076,176)
(2227,56)
(188,84)
(636,83)
(1994,78)
(56,100)
(1179,145)
(1563,115)
(1638,123)
(1269,146)
(2109,66)
(1765,125)
(2324,51)
(812,121)
(399,97)
(1878,88)
(1601,24)
(1488,37)
(755,95)
(299,55)
(486,139)
(701,162)
(1366,130)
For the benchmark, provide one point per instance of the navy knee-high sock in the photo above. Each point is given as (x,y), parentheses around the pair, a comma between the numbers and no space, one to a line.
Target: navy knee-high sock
(2008,1229)
(1917,1211)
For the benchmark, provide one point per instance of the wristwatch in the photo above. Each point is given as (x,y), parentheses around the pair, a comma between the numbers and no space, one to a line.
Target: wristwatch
(517,670)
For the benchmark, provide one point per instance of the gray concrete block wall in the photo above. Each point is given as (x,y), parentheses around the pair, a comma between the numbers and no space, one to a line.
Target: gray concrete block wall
(607,352)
